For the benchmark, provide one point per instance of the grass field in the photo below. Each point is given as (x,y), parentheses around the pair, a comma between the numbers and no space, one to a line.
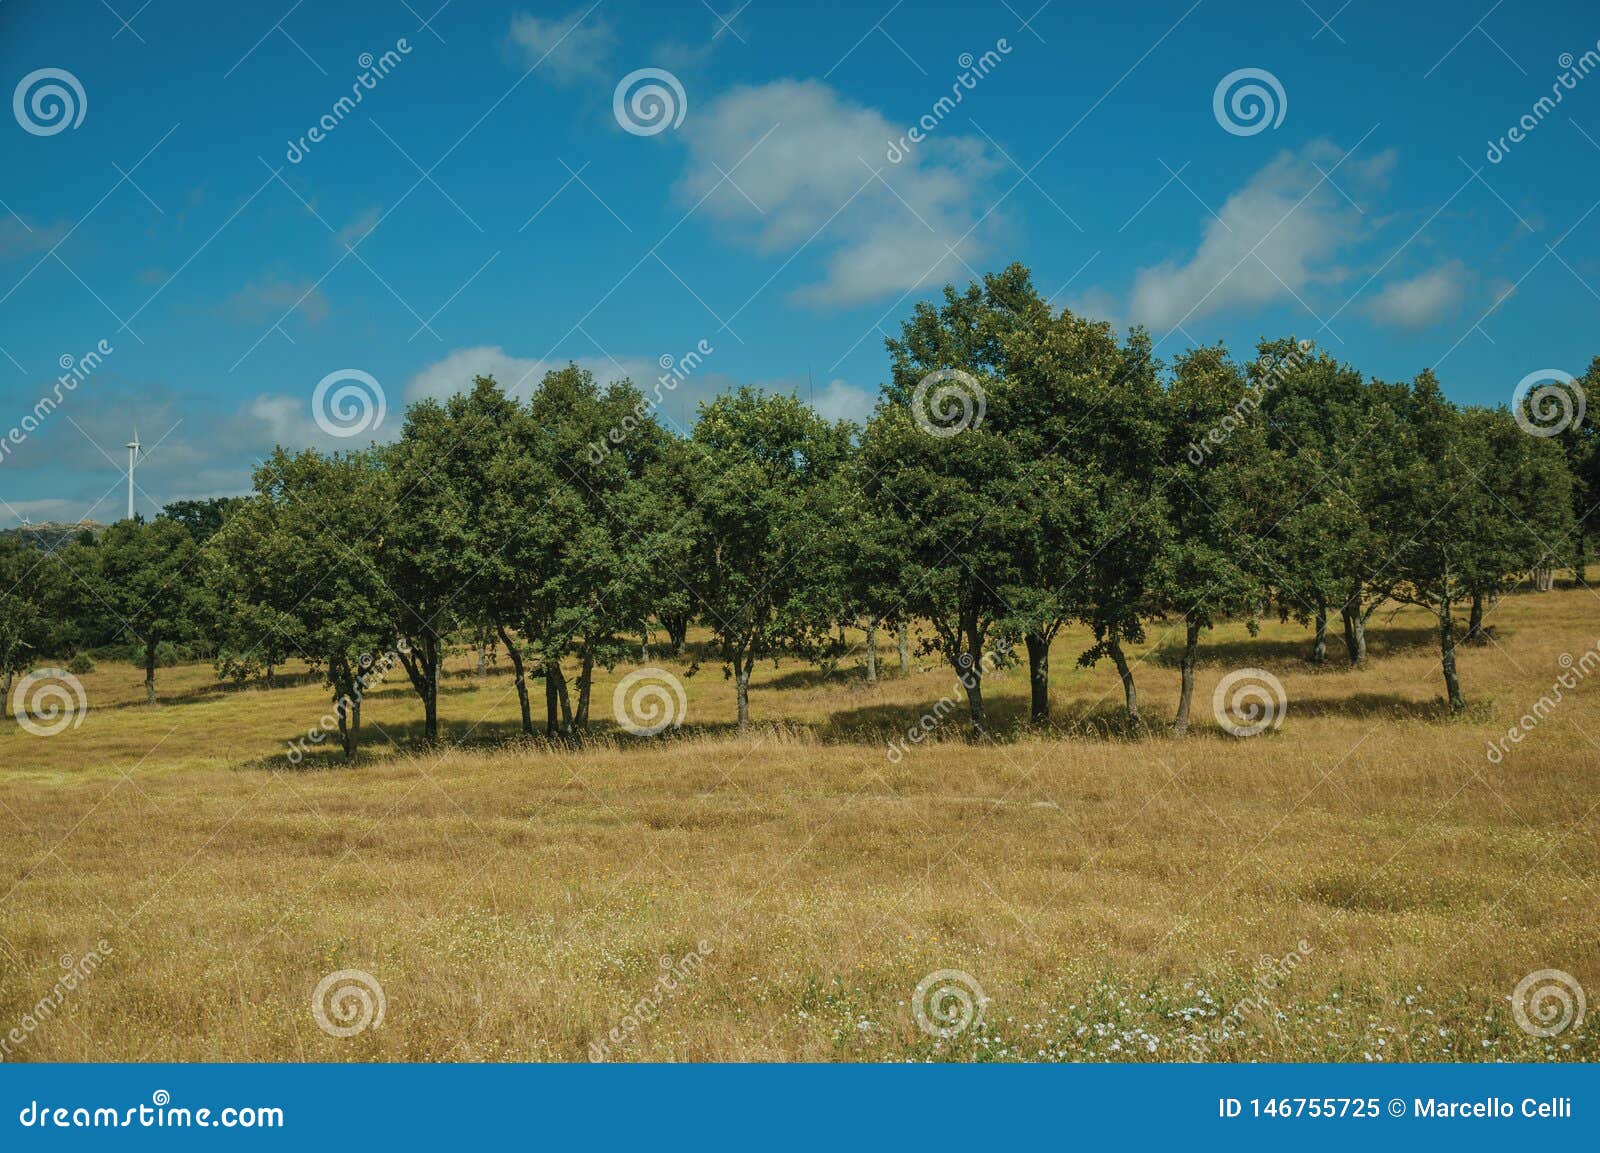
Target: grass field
(1362,884)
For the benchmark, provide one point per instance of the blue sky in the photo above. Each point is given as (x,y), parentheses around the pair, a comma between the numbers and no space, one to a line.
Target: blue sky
(483,209)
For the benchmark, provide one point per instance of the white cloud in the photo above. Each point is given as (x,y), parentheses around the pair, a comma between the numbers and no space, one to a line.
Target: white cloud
(841,400)
(564,48)
(358,227)
(272,298)
(809,183)
(1270,240)
(1422,300)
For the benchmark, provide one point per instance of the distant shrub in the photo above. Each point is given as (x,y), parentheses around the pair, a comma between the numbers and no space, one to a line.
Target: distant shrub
(80,664)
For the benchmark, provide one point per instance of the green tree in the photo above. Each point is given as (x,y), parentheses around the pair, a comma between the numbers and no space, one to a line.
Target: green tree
(299,562)
(23,625)
(1472,483)
(1213,565)
(941,464)
(1333,514)
(145,574)
(773,475)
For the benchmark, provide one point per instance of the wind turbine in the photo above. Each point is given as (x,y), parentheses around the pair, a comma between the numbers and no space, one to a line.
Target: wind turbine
(133,458)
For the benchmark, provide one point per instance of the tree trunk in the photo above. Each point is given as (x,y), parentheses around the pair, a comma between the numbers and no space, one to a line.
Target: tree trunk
(348,710)
(150,674)
(515,654)
(430,698)
(269,675)
(741,688)
(1474,633)
(5,697)
(1130,694)
(1038,677)
(556,698)
(585,680)
(902,633)
(971,677)
(1447,653)
(677,631)
(483,655)
(872,652)
(1319,646)
(1191,642)
(1580,562)
(1355,633)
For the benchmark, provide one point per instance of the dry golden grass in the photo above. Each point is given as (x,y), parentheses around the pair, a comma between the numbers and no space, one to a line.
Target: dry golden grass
(1112,896)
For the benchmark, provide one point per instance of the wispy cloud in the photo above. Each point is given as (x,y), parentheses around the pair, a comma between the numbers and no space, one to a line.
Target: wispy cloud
(809,182)
(1273,238)
(565,48)
(1421,300)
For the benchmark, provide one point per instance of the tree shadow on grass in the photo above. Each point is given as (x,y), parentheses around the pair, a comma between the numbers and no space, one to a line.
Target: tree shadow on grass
(1258,651)
(1390,706)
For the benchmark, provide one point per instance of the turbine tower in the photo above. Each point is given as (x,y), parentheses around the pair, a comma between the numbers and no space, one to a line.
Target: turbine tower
(133,458)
